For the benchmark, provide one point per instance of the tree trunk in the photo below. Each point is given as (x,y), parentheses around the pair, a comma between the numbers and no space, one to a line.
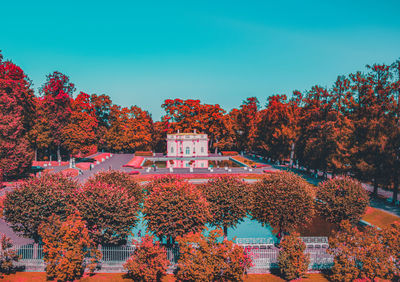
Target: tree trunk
(395,189)
(292,154)
(35,154)
(375,192)
(58,154)
(225,233)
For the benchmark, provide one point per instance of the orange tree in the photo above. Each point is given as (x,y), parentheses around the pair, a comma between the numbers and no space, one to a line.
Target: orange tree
(149,261)
(7,256)
(121,179)
(110,211)
(205,258)
(292,261)
(227,198)
(66,245)
(283,200)
(79,134)
(361,254)
(36,199)
(174,209)
(342,198)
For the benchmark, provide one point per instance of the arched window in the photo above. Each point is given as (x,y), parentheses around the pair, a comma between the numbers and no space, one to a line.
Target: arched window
(172,149)
(187,151)
(202,149)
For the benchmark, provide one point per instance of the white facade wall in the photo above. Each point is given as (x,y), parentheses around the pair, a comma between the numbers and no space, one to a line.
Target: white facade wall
(187,145)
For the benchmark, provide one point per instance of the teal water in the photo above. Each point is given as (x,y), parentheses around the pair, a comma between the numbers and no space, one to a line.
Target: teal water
(248,228)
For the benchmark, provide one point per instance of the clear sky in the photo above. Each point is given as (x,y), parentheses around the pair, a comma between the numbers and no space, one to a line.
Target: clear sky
(143,52)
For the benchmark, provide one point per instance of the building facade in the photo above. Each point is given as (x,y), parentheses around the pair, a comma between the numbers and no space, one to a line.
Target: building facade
(187,145)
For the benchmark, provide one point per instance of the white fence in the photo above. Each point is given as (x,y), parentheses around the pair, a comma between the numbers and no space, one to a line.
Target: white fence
(262,251)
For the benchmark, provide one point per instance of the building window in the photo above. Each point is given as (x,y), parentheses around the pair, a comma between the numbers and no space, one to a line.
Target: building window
(202,149)
(172,149)
(187,151)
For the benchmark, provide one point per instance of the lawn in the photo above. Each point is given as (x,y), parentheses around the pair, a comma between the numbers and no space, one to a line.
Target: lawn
(116,277)
(379,217)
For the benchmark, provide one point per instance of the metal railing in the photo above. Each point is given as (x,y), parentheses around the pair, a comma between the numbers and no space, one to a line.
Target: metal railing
(262,251)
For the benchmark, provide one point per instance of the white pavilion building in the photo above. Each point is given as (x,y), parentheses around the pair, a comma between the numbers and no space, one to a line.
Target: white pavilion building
(187,145)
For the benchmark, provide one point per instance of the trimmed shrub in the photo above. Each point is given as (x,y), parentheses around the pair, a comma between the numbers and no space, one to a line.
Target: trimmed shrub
(149,261)
(36,199)
(205,258)
(284,200)
(174,209)
(341,199)
(66,245)
(7,256)
(110,211)
(292,261)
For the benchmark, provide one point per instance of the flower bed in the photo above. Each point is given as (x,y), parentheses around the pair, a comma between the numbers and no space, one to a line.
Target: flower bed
(46,163)
(136,162)
(201,176)
(229,153)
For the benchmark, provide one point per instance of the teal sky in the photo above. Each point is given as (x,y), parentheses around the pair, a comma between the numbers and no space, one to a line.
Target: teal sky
(143,52)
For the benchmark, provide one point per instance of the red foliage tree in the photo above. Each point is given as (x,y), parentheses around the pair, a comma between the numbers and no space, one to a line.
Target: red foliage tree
(16,116)
(174,209)
(361,255)
(110,211)
(278,127)
(283,200)
(79,134)
(36,199)
(57,95)
(342,198)
(204,258)
(130,129)
(227,197)
(149,261)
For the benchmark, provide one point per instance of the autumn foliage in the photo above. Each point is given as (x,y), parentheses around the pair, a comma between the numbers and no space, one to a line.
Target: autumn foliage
(149,261)
(110,211)
(68,248)
(16,118)
(36,199)
(204,258)
(227,197)
(8,256)
(283,200)
(369,254)
(120,179)
(293,262)
(342,198)
(174,209)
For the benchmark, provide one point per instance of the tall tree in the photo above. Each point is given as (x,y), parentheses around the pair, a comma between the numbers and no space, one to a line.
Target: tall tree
(278,129)
(369,111)
(247,119)
(56,95)
(16,115)
(189,115)
(79,134)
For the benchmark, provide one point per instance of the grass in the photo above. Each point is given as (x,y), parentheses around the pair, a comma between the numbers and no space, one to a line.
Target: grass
(117,277)
(379,217)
